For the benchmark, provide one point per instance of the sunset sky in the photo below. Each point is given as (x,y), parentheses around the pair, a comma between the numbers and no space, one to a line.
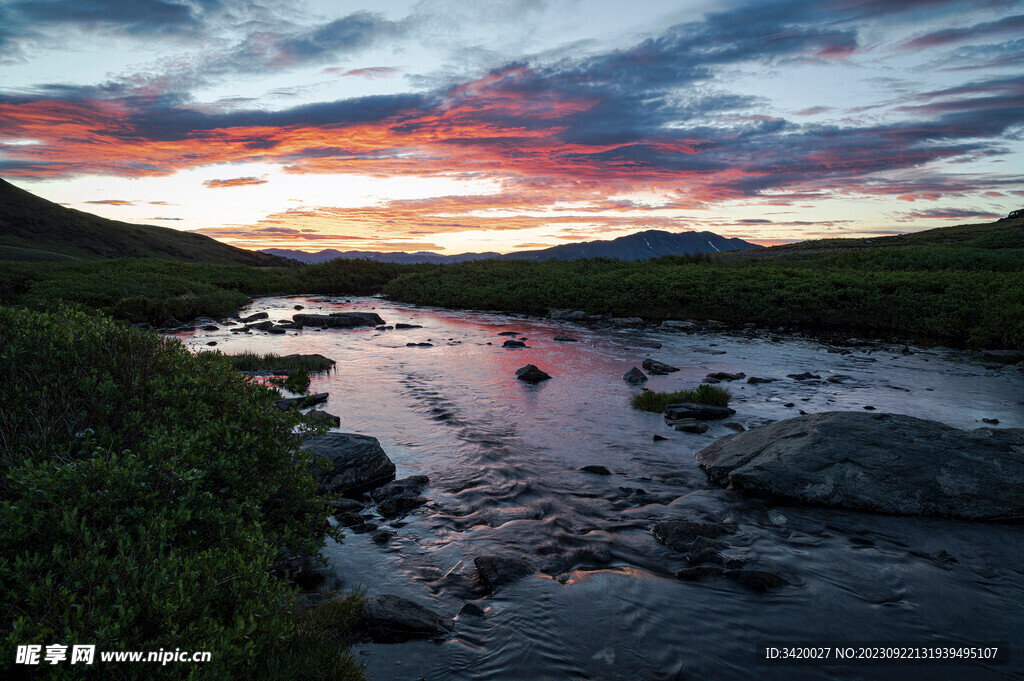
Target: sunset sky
(501,125)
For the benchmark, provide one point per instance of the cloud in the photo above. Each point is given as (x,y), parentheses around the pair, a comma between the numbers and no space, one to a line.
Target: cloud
(1007,26)
(371,73)
(947,214)
(111,202)
(234,182)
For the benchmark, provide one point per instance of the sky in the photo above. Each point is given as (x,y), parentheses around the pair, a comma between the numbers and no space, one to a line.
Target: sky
(502,125)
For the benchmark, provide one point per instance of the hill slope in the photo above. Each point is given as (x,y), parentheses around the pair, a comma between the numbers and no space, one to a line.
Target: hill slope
(32,228)
(640,246)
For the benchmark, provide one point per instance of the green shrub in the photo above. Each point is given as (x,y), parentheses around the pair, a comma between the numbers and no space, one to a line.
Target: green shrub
(145,495)
(649,400)
(297,381)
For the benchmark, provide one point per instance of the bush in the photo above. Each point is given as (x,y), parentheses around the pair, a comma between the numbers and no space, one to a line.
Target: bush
(297,381)
(145,495)
(649,400)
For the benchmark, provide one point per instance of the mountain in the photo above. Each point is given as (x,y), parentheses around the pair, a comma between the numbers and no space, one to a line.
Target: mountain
(640,246)
(32,228)
(397,257)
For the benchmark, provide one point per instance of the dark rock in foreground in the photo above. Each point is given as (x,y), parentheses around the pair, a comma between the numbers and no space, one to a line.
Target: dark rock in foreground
(351,463)
(531,374)
(693,410)
(496,571)
(877,462)
(634,376)
(596,470)
(681,534)
(339,320)
(653,366)
(386,618)
(400,496)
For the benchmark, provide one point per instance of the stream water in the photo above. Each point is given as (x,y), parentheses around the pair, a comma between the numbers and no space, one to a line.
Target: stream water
(503,458)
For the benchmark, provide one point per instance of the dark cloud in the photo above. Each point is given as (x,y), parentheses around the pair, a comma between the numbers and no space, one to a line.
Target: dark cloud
(947,214)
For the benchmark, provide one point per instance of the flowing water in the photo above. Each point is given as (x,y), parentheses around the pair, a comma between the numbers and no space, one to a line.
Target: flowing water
(503,458)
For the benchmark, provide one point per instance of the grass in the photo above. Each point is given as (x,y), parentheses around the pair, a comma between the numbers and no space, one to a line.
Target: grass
(297,381)
(253,361)
(704,394)
(319,650)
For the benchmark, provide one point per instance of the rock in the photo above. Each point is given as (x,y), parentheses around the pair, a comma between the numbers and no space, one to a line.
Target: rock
(689,426)
(754,380)
(299,307)
(210,327)
(692,410)
(676,325)
(1007,356)
(704,550)
(339,320)
(351,463)
(403,325)
(419,345)
(756,580)
(508,333)
(869,407)
(343,505)
(653,366)
(263,326)
(658,438)
(634,322)
(839,378)
(634,376)
(254,317)
(211,343)
(383,536)
(806,376)
(400,496)
(497,571)
(531,374)
(301,402)
(732,425)
(513,344)
(349,519)
(568,315)
(992,421)
(565,339)
(276,330)
(171,323)
(317,415)
(699,574)
(877,462)
(681,534)
(386,618)
(596,470)
(304,570)
(723,376)
(471,610)
(789,405)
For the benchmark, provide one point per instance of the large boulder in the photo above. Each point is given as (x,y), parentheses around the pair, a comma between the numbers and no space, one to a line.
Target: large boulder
(386,618)
(339,320)
(531,374)
(350,463)
(634,376)
(878,462)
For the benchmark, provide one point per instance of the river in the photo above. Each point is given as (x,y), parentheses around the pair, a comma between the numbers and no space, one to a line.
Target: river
(503,459)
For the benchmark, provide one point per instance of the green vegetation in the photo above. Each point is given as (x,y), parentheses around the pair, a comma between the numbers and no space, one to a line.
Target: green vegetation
(148,290)
(963,290)
(649,400)
(253,361)
(297,381)
(146,494)
(312,655)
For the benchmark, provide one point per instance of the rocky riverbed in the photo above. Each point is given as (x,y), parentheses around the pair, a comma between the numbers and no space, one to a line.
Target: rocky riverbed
(565,540)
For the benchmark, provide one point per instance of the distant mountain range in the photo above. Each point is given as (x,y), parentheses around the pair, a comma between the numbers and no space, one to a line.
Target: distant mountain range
(640,246)
(32,228)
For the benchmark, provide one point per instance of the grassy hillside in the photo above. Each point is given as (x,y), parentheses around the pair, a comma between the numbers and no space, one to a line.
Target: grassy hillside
(34,229)
(961,286)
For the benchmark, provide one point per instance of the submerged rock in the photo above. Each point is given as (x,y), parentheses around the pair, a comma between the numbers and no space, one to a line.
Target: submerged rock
(723,376)
(531,374)
(806,376)
(496,571)
(877,462)
(565,339)
(386,618)
(596,470)
(347,463)
(756,580)
(634,375)
(403,325)
(681,534)
(689,426)
(398,497)
(754,380)
(653,366)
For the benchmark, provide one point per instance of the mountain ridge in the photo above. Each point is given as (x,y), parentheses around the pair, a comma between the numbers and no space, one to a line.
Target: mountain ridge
(632,247)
